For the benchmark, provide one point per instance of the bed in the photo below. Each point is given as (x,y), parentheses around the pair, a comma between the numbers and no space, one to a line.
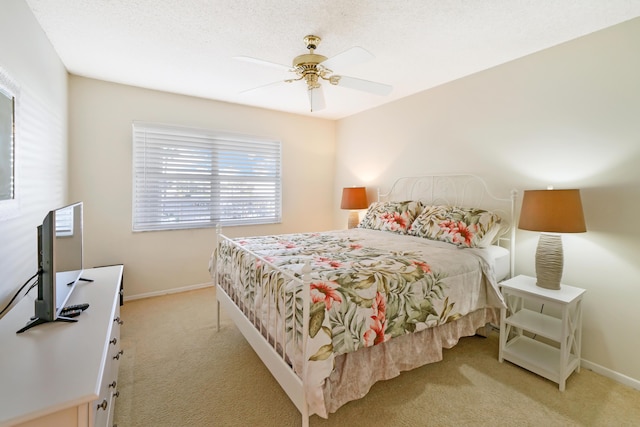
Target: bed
(325,311)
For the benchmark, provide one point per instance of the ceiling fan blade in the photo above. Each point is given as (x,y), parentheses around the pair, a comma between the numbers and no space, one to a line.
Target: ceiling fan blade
(316,99)
(365,85)
(355,55)
(263,62)
(260,87)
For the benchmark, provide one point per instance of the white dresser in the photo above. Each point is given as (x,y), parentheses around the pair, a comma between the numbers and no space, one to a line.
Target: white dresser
(63,374)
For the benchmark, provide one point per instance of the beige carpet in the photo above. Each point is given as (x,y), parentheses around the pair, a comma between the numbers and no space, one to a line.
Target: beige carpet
(177,370)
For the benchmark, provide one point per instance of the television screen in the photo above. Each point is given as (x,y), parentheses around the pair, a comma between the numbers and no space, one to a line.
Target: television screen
(67,252)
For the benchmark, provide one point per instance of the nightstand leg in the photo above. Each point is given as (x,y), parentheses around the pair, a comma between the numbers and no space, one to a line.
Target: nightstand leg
(564,347)
(577,337)
(503,340)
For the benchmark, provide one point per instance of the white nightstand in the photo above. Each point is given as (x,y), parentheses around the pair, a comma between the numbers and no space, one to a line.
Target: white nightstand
(548,359)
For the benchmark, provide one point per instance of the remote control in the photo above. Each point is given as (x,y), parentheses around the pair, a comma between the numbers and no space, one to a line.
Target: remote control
(81,307)
(70,313)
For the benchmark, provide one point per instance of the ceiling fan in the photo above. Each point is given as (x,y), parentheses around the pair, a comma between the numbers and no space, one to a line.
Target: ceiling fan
(313,68)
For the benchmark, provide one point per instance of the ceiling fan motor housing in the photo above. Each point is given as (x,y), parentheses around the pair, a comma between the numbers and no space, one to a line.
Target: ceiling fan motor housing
(308,59)
(306,65)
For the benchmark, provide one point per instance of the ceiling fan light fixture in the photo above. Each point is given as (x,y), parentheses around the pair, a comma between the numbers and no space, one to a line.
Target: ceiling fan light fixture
(312,81)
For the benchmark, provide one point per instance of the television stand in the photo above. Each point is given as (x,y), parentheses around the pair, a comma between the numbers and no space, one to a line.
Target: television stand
(38,321)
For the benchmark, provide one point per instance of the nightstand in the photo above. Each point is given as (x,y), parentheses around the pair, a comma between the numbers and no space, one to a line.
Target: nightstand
(557,354)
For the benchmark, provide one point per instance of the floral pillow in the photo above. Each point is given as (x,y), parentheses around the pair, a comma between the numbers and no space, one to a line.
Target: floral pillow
(465,227)
(391,216)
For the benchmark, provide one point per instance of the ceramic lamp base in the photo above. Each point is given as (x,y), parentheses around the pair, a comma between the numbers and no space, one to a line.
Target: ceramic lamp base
(549,261)
(354,219)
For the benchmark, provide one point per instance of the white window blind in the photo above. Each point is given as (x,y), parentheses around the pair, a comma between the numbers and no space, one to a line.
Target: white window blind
(194,178)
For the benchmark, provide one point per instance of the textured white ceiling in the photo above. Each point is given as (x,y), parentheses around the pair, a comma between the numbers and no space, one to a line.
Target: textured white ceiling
(187,46)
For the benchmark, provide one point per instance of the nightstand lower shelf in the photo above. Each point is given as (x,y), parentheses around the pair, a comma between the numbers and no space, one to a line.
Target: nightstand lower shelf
(538,357)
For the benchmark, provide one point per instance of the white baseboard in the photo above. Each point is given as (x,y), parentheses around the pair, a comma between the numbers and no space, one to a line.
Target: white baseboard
(606,372)
(168,291)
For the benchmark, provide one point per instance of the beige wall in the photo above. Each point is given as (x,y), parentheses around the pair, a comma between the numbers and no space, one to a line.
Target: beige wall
(26,56)
(567,116)
(101,115)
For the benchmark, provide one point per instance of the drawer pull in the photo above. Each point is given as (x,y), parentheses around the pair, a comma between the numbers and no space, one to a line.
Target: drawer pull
(103,405)
(116,394)
(118,320)
(114,341)
(117,356)
(113,384)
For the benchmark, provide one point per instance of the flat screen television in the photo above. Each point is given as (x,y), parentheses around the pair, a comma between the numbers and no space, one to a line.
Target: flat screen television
(60,263)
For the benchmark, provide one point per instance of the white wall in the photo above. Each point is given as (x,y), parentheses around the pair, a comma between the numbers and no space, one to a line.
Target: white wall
(27,57)
(567,116)
(101,115)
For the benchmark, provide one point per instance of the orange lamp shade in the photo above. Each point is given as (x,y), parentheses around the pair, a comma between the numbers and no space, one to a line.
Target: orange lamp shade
(552,211)
(354,198)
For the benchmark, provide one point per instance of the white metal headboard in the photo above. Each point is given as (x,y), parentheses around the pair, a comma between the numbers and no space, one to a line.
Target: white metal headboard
(467,190)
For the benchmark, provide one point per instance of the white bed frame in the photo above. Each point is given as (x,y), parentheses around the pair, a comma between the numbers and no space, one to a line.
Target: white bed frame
(457,190)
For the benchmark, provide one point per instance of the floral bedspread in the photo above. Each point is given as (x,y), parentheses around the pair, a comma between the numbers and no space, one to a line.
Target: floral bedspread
(368,287)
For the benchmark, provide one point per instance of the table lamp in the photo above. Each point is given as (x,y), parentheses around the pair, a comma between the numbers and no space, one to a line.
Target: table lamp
(354,198)
(551,212)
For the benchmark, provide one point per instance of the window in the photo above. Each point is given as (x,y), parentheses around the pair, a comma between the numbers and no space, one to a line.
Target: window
(194,178)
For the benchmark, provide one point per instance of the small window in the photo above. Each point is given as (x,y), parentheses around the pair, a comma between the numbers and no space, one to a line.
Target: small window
(195,178)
